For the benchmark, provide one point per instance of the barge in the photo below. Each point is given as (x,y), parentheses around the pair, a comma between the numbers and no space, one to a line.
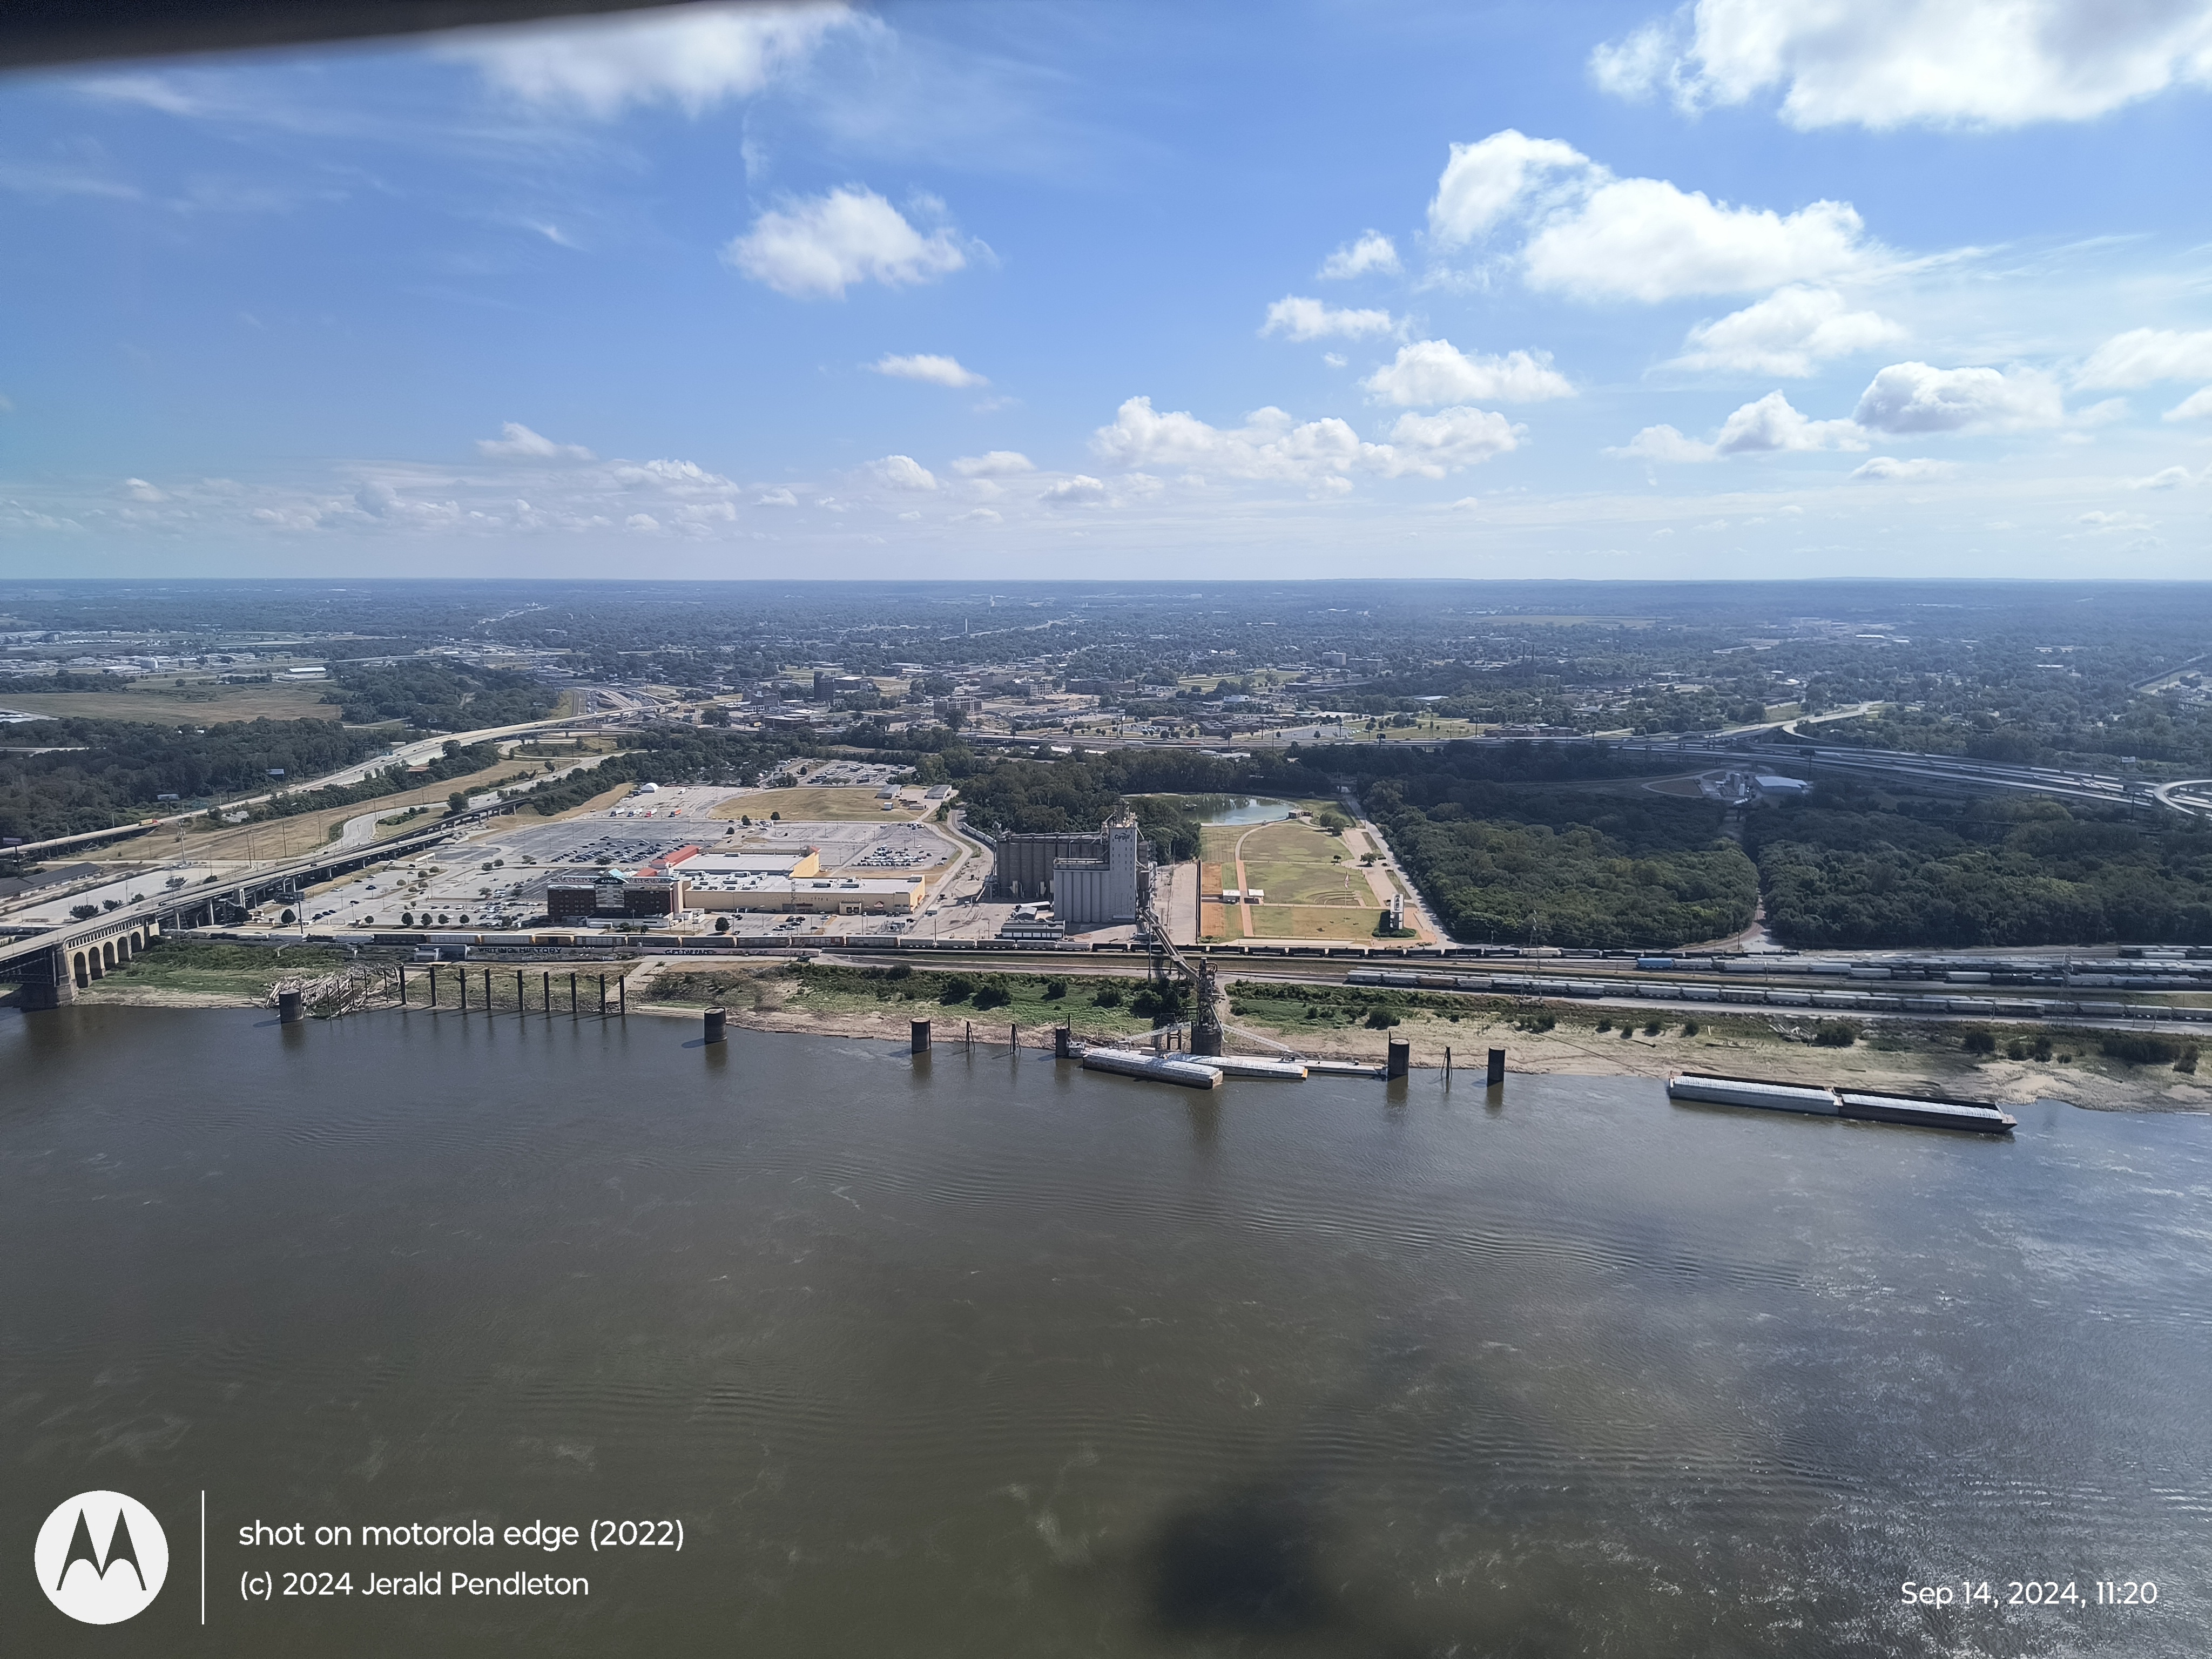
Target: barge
(1154,1068)
(1931,1112)
(1713,1089)
(1923,1111)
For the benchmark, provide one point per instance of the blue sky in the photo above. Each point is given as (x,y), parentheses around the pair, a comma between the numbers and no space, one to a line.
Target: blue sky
(1783,287)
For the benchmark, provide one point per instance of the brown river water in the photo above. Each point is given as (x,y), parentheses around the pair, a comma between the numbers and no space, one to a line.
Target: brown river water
(988,1355)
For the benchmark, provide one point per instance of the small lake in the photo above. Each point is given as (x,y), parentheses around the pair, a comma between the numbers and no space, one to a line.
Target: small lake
(1249,810)
(987,1355)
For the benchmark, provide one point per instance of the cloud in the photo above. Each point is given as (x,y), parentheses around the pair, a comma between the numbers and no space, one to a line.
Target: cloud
(977,515)
(1081,490)
(1372,252)
(1484,182)
(517,442)
(2111,521)
(642,522)
(1430,446)
(137,490)
(1431,372)
(1790,332)
(1594,236)
(692,56)
(1664,443)
(2171,477)
(2143,356)
(1887,469)
(1915,398)
(1887,63)
(1768,426)
(776,498)
(1310,320)
(682,478)
(938,371)
(817,247)
(2197,406)
(993,464)
(1271,445)
(902,472)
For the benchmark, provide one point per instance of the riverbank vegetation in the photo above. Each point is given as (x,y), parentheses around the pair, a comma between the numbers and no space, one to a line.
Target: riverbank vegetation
(1850,870)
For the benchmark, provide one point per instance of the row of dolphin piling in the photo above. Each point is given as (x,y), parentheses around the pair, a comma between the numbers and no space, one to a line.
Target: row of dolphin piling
(1201,1071)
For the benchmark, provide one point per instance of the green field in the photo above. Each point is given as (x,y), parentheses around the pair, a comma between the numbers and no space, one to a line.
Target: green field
(1315,888)
(196,704)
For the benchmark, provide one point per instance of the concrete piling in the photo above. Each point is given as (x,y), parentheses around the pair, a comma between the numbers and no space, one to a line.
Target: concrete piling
(717,1020)
(917,1039)
(1496,1077)
(1401,1059)
(1062,1042)
(290,1010)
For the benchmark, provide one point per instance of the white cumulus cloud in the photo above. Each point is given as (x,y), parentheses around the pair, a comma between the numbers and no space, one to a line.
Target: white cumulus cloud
(1271,445)
(1885,64)
(902,472)
(692,56)
(2143,355)
(1664,443)
(1372,252)
(1917,397)
(2171,477)
(1594,236)
(2197,406)
(1431,372)
(993,464)
(517,442)
(1769,425)
(1888,468)
(1081,490)
(817,247)
(938,371)
(1790,332)
(1310,320)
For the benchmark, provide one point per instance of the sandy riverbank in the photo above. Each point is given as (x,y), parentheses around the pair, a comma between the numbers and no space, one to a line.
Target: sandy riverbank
(766,996)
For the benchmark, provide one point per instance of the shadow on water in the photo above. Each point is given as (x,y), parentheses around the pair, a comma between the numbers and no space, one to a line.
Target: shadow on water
(1246,1561)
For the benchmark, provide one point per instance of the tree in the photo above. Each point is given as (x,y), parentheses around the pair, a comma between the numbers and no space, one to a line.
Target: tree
(458,801)
(83,912)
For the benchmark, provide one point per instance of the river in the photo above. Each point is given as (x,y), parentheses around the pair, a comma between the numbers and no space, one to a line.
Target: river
(988,1355)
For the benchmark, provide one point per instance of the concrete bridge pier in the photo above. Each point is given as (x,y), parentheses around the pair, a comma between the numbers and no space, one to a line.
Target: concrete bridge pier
(47,982)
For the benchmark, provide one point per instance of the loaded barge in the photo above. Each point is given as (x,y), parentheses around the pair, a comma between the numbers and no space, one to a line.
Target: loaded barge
(1927,1111)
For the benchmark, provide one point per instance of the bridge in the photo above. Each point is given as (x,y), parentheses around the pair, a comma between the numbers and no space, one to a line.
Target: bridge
(54,964)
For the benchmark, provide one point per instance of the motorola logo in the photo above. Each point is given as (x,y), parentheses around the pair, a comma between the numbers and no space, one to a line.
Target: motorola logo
(101,1556)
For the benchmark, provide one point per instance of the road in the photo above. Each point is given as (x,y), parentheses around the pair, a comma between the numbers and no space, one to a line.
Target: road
(410,754)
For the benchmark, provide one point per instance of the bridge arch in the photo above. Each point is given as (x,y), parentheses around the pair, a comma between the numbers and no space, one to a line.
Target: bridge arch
(107,954)
(82,977)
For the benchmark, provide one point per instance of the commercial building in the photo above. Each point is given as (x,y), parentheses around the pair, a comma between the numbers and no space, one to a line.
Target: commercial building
(1090,880)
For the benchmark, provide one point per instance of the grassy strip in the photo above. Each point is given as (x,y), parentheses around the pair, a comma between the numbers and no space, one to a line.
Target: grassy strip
(207,965)
(1113,1007)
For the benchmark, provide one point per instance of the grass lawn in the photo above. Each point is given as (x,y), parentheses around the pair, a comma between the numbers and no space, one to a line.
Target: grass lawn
(827,806)
(193,705)
(1329,921)
(241,970)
